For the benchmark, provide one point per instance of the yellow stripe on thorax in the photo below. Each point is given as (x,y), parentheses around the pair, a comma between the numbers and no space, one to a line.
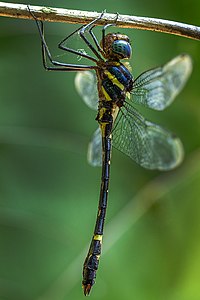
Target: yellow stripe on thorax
(105,94)
(114,80)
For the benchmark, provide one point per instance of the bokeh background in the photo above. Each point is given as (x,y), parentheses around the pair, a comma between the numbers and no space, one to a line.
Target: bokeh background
(49,194)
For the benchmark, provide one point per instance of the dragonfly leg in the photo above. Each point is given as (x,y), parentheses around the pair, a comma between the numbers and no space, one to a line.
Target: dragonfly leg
(81,31)
(89,27)
(63,47)
(58,66)
(103,35)
(95,40)
(105,27)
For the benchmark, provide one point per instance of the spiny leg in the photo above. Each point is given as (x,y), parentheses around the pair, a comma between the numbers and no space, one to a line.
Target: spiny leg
(103,33)
(95,40)
(63,47)
(94,37)
(59,66)
(104,30)
(82,35)
(82,30)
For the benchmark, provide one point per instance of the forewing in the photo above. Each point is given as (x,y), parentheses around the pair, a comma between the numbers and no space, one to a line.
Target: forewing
(146,143)
(158,87)
(86,85)
(95,149)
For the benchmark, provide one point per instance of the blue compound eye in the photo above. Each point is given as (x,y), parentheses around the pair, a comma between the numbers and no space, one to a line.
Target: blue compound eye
(122,48)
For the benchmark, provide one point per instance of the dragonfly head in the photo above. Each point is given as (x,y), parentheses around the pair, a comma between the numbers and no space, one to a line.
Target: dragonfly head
(116,46)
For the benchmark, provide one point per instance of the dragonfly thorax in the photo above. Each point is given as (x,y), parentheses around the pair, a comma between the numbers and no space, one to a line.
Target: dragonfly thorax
(116,46)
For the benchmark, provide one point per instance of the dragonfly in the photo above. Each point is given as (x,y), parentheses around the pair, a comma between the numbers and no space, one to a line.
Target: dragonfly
(109,87)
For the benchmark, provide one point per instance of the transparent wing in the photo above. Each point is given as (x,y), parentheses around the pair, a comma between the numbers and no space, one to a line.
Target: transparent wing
(146,143)
(158,87)
(86,85)
(95,149)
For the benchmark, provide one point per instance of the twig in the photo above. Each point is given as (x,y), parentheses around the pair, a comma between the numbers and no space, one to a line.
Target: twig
(76,16)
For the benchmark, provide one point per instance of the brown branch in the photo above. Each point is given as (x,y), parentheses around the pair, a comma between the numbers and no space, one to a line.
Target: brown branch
(76,16)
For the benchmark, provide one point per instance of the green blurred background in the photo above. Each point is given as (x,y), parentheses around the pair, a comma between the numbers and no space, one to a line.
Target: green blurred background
(49,194)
